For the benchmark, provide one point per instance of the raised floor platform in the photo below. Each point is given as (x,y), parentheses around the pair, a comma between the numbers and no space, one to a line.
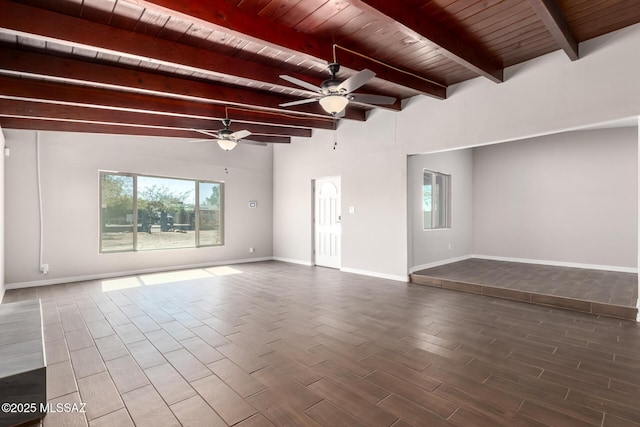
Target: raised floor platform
(599,292)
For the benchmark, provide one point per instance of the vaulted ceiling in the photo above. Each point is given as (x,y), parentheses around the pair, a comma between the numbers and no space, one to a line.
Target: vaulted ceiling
(167,67)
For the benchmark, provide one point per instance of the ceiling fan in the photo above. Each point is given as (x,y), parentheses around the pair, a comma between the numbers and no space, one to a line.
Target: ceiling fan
(334,95)
(226,138)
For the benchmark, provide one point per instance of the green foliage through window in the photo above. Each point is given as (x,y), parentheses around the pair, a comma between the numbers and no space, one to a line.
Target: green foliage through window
(148,213)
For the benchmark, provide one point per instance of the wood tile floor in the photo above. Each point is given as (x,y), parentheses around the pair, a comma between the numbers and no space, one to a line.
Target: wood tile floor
(607,287)
(279,344)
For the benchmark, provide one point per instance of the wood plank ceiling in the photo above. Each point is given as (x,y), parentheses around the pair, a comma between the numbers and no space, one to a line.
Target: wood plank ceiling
(166,67)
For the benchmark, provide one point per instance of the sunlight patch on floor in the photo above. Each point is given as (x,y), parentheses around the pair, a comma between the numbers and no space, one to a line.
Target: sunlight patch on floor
(174,276)
(152,279)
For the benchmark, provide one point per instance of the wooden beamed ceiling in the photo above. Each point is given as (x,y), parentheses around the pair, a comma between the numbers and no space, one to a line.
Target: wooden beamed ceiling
(167,67)
(270,33)
(70,71)
(410,21)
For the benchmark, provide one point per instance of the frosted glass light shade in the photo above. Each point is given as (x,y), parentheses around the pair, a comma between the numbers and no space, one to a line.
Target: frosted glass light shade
(333,104)
(227,144)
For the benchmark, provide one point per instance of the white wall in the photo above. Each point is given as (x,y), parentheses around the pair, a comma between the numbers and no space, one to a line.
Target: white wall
(430,247)
(570,197)
(2,250)
(542,96)
(372,168)
(294,171)
(70,191)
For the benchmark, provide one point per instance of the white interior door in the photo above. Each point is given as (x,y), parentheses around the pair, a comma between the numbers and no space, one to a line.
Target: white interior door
(328,230)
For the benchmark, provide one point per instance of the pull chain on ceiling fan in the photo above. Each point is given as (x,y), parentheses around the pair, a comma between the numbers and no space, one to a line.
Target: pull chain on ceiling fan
(334,95)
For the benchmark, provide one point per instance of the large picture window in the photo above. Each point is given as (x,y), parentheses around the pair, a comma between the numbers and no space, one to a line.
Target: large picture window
(436,195)
(140,213)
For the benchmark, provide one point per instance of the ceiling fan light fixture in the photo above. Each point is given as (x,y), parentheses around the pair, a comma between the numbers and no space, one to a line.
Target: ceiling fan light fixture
(227,144)
(334,104)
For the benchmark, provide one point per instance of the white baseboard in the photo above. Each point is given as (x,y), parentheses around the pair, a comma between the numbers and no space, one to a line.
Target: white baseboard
(349,270)
(376,274)
(292,261)
(398,278)
(559,263)
(99,276)
(438,263)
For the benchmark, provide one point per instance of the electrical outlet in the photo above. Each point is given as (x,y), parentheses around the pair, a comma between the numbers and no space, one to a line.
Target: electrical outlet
(44,268)
(251,250)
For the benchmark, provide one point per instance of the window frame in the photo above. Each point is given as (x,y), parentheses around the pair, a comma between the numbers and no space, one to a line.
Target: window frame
(197,212)
(134,226)
(446,200)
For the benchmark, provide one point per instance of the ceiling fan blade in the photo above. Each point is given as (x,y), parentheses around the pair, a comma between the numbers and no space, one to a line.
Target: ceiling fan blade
(212,134)
(247,141)
(372,99)
(301,83)
(357,80)
(202,140)
(240,134)
(299,102)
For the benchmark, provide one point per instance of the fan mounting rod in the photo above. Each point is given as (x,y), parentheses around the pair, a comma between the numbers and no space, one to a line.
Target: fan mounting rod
(331,86)
(334,67)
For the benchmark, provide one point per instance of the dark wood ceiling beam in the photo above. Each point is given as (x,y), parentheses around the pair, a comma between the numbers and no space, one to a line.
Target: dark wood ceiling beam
(239,23)
(81,114)
(65,126)
(59,93)
(76,71)
(41,24)
(412,22)
(552,17)
(21,20)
